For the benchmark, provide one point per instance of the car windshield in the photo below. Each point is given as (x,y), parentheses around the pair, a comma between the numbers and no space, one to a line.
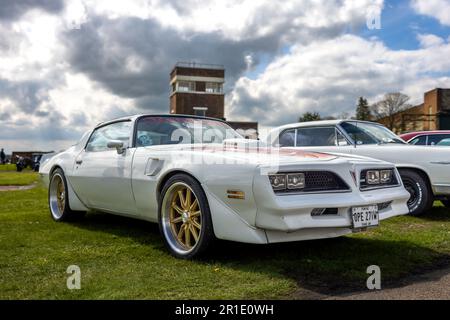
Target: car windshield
(368,133)
(153,130)
(445,142)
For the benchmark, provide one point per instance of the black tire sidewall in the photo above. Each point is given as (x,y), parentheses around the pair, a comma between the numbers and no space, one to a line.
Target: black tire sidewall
(426,201)
(207,233)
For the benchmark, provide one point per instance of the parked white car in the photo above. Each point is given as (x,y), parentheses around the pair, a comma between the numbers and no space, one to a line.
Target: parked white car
(214,184)
(425,171)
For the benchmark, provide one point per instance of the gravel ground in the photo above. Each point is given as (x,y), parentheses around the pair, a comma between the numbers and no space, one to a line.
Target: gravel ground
(16,188)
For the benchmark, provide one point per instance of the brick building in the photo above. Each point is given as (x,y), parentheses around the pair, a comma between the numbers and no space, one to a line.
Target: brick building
(197,89)
(432,114)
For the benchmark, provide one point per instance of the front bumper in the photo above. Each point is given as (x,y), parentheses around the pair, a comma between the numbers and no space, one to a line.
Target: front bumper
(293,212)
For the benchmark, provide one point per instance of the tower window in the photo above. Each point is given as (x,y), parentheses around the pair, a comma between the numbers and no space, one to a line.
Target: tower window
(186,86)
(213,87)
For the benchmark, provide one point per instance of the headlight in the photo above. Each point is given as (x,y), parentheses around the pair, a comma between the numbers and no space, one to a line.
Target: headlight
(378,178)
(291,181)
(385,176)
(373,177)
(278,181)
(296,181)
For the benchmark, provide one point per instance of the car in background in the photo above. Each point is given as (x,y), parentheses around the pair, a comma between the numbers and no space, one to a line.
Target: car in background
(425,171)
(212,184)
(40,158)
(426,138)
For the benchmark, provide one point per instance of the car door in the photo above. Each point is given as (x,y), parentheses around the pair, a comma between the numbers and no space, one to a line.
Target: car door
(322,139)
(102,175)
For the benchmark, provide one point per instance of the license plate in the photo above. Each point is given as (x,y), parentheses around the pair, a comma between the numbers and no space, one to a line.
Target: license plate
(364,217)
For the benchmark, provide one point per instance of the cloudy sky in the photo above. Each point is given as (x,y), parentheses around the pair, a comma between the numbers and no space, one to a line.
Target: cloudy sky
(67,65)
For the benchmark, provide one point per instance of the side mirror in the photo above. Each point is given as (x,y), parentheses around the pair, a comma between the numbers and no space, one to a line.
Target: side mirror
(116,144)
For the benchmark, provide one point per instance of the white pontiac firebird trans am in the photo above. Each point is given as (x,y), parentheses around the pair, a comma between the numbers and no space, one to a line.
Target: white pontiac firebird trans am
(425,170)
(200,180)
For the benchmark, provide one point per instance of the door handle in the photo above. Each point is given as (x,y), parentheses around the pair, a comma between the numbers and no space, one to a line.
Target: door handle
(79,161)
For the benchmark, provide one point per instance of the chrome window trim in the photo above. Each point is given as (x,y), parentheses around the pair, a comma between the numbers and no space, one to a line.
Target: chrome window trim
(336,128)
(345,134)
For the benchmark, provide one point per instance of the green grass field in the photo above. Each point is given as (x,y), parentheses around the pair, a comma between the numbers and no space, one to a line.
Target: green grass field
(122,258)
(10,178)
(7,167)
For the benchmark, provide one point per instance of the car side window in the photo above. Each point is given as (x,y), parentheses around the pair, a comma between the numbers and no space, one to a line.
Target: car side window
(419,141)
(436,138)
(316,137)
(287,138)
(115,131)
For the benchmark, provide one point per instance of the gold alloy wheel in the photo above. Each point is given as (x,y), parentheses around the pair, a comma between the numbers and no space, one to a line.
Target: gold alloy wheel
(60,195)
(57,196)
(185,216)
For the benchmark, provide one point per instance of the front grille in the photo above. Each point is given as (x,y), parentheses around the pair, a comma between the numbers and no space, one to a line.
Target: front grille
(324,212)
(319,181)
(323,181)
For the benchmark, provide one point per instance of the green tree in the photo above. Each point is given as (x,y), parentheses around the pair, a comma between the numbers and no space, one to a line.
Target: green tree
(310,116)
(363,110)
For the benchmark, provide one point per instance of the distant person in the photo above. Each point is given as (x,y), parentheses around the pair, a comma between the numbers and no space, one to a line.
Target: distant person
(2,157)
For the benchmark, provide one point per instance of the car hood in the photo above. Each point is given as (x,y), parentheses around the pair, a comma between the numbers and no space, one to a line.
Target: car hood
(264,155)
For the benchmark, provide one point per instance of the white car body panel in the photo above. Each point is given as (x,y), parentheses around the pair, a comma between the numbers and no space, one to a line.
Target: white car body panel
(129,184)
(435,162)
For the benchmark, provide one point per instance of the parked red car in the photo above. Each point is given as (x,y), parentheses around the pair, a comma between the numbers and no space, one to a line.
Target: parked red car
(426,138)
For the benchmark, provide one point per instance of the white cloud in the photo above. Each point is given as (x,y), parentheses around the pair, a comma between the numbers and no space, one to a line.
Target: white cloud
(439,9)
(429,40)
(326,70)
(329,76)
(240,19)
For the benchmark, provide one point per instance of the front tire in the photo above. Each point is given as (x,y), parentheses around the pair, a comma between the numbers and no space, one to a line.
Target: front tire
(421,200)
(58,200)
(185,218)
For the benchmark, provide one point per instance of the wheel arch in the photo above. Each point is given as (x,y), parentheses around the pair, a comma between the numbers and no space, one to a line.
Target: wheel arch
(170,174)
(420,171)
(74,201)
(53,169)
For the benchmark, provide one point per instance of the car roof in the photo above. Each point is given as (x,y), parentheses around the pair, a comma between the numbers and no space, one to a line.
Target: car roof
(412,135)
(427,132)
(321,123)
(135,117)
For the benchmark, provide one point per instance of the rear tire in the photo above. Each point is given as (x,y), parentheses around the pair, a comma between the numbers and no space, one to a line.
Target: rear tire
(58,200)
(421,200)
(184,217)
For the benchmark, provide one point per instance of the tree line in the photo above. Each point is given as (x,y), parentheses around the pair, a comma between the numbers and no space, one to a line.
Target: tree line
(387,107)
